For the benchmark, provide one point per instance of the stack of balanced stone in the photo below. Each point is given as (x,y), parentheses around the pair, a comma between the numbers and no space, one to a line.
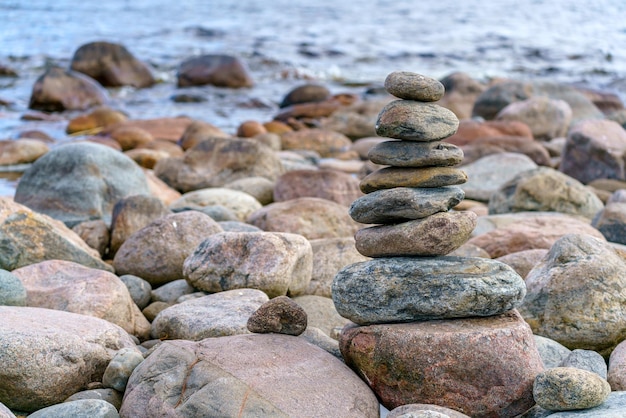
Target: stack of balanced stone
(429,328)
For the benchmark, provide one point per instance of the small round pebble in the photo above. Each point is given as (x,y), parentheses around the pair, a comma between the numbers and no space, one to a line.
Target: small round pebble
(413,86)
(120,367)
(568,388)
(280,315)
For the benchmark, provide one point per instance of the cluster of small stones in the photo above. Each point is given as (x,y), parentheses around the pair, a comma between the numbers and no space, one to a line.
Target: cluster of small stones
(411,278)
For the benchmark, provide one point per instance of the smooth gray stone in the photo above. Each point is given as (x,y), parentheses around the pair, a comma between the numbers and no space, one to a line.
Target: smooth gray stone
(84,408)
(552,352)
(120,368)
(139,289)
(613,407)
(415,154)
(413,86)
(588,360)
(12,291)
(406,289)
(402,204)
(105,394)
(416,121)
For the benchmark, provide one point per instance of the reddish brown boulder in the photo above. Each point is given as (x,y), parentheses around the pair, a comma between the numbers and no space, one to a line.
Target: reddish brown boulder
(111,65)
(471,130)
(332,185)
(100,117)
(325,142)
(217,70)
(595,149)
(483,367)
(58,90)
(168,129)
(305,93)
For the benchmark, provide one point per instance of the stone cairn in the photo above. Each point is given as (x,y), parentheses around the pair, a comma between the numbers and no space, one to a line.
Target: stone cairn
(429,328)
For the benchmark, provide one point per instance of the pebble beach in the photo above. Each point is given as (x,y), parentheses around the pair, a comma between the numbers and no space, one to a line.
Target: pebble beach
(215,231)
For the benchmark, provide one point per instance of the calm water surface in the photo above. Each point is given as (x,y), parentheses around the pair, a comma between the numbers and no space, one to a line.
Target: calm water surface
(343,44)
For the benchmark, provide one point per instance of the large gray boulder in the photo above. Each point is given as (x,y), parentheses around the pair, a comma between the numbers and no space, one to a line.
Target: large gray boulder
(80,182)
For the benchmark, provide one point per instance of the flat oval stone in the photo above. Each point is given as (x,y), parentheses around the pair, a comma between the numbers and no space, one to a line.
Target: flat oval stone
(416,121)
(569,388)
(413,86)
(407,289)
(415,154)
(438,234)
(402,204)
(390,177)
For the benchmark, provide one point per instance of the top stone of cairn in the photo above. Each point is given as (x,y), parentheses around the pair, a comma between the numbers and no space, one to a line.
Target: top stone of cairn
(412,86)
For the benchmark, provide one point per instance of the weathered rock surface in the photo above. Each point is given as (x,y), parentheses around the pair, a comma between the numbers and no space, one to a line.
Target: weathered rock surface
(438,234)
(479,366)
(217,315)
(70,287)
(248,375)
(416,121)
(274,262)
(29,237)
(311,217)
(523,261)
(156,253)
(321,313)
(545,189)
(21,151)
(80,181)
(401,204)
(611,221)
(278,315)
(552,352)
(48,355)
(569,388)
(402,289)
(566,296)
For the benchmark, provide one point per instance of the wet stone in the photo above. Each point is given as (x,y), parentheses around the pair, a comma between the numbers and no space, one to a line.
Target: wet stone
(415,121)
(416,154)
(402,204)
(402,289)
(279,315)
(389,177)
(412,86)
(438,234)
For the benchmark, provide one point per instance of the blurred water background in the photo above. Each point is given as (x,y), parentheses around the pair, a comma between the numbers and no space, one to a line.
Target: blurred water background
(345,45)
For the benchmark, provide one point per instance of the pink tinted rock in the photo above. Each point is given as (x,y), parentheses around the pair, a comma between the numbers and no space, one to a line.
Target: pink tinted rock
(483,367)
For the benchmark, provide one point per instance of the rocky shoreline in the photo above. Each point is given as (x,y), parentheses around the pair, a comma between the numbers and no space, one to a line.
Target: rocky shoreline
(438,248)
